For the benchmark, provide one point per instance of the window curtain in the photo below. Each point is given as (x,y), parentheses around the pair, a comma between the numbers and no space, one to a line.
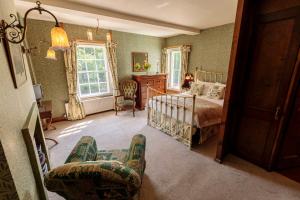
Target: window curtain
(111,50)
(75,109)
(185,50)
(164,57)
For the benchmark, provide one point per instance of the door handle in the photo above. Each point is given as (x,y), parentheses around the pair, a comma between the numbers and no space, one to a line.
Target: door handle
(277,113)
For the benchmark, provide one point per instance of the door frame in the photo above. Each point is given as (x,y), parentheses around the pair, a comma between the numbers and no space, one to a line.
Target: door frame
(239,52)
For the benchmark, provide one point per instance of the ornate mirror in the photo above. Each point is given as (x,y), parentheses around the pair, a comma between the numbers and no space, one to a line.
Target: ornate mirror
(138,61)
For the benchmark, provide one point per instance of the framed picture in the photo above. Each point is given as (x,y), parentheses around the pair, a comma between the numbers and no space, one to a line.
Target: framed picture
(16,63)
(138,60)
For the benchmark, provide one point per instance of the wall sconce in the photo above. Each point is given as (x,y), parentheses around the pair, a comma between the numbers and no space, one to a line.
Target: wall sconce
(89,34)
(14,32)
(51,54)
(28,50)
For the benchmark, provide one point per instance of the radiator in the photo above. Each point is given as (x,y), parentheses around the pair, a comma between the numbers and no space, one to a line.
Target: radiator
(96,104)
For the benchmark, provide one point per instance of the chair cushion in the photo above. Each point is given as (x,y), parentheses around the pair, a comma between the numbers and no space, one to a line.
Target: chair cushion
(115,154)
(97,171)
(136,154)
(85,150)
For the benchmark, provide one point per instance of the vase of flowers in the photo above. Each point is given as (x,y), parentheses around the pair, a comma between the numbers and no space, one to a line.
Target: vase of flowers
(138,67)
(142,67)
(146,66)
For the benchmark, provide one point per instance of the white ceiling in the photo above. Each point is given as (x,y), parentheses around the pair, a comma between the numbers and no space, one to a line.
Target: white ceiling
(161,18)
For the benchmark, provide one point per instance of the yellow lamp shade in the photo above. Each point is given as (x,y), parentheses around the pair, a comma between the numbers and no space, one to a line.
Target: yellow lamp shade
(51,54)
(59,39)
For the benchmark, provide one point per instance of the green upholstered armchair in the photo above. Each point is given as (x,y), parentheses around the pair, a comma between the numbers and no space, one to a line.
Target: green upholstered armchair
(90,174)
(127,97)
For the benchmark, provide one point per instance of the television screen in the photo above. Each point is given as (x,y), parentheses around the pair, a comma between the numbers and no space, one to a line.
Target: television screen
(38,91)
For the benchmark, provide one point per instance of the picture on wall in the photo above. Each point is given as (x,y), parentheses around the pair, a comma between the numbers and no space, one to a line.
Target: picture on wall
(139,60)
(16,63)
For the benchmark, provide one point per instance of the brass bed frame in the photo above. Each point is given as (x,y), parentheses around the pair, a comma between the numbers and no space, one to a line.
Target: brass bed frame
(173,125)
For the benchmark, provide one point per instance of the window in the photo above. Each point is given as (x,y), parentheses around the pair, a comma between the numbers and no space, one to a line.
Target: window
(174,69)
(92,69)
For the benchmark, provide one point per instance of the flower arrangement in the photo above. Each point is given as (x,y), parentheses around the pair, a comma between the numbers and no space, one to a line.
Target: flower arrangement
(144,67)
(138,66)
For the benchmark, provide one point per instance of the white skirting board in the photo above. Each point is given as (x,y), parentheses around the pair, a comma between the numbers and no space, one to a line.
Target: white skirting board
(96,104)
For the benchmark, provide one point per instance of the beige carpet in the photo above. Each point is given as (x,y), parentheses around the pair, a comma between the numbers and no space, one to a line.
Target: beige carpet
(173,171)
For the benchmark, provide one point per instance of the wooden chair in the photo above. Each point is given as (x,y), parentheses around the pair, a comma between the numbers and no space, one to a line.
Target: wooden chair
(128,89)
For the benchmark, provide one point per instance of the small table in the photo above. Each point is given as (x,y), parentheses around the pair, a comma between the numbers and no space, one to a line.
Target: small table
(45,109)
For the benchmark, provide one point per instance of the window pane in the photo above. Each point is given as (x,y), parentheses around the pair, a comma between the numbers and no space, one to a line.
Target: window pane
(92,70)
(177,61)
(103,87)
(89,53)
(99,53)
(91,65)
(81,65)
(102,76)
(80,53)
(83,78)
(100,65)
(94,88)
(176,77)
(93,77)
(84,89)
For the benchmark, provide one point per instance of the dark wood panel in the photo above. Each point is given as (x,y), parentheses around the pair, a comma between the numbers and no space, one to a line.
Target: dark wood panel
(157,82)
(267,80)
(290,151)
(234,87)
(269,6)
(262,75)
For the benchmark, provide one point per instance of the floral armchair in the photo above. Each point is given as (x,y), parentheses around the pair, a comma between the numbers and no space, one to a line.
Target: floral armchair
(94,174)
(127,97)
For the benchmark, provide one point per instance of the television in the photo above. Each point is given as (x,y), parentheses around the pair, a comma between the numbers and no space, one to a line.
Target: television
(37,88)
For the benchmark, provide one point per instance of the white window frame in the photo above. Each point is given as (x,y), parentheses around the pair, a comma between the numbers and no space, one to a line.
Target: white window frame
(170,67)
(107,71)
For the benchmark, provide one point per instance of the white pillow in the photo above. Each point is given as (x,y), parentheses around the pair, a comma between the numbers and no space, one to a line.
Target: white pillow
(222,85)
(206,87)
(197,88)
(216,91)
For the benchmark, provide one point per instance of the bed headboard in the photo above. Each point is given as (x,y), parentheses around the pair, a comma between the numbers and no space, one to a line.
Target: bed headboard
(208,76)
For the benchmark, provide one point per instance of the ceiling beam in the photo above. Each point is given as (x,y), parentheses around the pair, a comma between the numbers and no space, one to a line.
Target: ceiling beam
(115,14)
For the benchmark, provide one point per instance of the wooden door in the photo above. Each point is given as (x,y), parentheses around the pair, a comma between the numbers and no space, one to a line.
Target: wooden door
(269,70)
(289,154)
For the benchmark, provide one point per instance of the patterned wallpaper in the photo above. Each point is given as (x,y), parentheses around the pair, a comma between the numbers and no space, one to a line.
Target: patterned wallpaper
(7,187)
(210,49)
(15,106)
(51,74)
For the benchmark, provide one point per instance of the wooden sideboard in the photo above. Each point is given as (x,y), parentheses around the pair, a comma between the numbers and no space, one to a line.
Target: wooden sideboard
(157,81)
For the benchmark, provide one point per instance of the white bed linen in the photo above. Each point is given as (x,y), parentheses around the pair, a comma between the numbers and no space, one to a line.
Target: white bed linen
(188,115)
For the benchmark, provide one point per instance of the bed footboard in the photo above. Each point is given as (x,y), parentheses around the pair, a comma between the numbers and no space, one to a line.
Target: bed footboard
(170,113)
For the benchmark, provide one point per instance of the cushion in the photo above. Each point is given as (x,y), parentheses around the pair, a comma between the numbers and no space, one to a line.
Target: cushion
(85,150)
(112,171)
(206,87)
(115,154)
(197,88)
(216,91)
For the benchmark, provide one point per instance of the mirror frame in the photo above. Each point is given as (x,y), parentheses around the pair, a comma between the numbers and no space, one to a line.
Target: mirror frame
(133,60)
